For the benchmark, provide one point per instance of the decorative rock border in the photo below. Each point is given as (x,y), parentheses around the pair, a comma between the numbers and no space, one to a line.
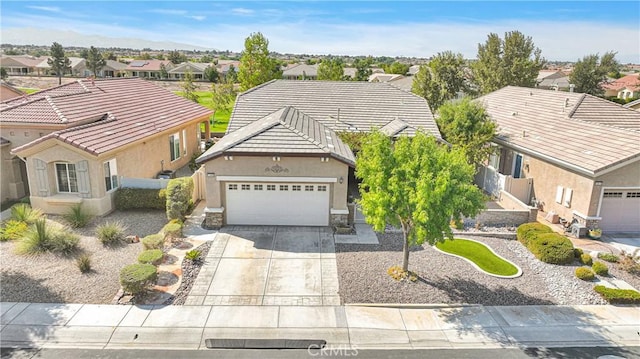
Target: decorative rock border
(518,274)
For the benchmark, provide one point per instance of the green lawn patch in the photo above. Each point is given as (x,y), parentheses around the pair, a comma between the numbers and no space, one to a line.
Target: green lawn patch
(27,90)
(479,254)
(220,119)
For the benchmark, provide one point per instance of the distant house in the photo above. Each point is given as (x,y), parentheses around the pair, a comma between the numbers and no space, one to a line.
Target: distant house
(8,92)
(573,154)
(382,77)
(552,80)
(72,144)
(150,69)
(404,83)
(625,87)
(197,69)
(21,64)
(300,72)
(77,67)
(282,161)
(112,69)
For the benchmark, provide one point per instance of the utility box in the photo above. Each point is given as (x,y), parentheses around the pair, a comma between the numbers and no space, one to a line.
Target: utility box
(578,230)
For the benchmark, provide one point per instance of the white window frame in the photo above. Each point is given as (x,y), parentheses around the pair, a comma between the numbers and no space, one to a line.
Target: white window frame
(112,167)
(184,142)
(66,164)
(174,148)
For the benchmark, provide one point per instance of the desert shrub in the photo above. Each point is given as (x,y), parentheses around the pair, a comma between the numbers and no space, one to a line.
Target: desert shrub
(552,248)
(77,217)
(153,241)
(25,213)
(530,230)
(193,255)
(577,252)
(151,256)
(84,263)
(64,241)
(139,198)
(629,264)
(618,296)
(178,193)
(12,230)
(173,229)
(586,259)
(110,233)
(43,237)
(609,257)
(600,268)
(585,273)
(135,278)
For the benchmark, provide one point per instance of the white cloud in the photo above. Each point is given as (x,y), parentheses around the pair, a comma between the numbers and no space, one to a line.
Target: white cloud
(242,11)
(197,17)
(45,8)
(168,11)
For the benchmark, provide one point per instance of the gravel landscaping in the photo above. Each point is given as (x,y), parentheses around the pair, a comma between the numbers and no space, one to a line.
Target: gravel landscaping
(362,271)
(50,278)
(190,271)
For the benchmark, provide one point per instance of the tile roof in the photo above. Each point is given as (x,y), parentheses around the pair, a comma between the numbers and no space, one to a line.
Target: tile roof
(21,60)
(148,65)
(116,65)
(340,105)
(185,66)
(105,114)
(73,62)
(301,69)
(632,80)
(285,131)
(578,131)
(404,83)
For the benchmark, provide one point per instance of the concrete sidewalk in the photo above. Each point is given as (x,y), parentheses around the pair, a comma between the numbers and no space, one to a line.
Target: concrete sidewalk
(187,327)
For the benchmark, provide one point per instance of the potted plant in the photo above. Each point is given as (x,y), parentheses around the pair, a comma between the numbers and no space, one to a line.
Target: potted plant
(595,233)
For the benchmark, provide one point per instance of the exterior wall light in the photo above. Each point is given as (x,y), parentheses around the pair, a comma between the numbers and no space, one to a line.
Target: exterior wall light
(341,179)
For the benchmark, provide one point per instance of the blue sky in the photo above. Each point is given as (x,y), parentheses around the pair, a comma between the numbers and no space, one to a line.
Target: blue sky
(563,30)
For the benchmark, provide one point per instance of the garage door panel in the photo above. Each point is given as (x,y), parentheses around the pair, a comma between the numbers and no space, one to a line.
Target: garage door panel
(620,211)
(277,204)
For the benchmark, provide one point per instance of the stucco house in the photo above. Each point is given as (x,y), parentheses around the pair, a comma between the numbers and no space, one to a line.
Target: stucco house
(73,143)
(77,67)
(300,72)
(574,154)
(197,69)
(625,87)
(151,69)
(21,64)
(282,161)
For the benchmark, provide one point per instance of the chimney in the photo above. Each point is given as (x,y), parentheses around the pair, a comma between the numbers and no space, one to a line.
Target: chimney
(571,87)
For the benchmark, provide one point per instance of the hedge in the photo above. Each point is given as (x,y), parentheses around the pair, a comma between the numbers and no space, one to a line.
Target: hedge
(173,229)
(585,273)
(618,296)
(151,256)
(600,268)
(135,278)
(552,248)
(153,241)
(179,191)
(140,198)
(530,230)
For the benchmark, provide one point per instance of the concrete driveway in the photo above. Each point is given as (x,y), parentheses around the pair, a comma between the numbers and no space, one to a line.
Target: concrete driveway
(268,265)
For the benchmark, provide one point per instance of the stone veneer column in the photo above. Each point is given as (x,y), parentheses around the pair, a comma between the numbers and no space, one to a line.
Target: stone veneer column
(213,218)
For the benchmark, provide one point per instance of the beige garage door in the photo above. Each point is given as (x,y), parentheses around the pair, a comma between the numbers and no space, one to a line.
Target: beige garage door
(620,210)
(295,204)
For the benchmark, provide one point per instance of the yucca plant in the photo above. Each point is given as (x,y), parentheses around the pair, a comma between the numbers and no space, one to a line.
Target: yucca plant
(111,233)
(36,239)
(25,213)
(77,217)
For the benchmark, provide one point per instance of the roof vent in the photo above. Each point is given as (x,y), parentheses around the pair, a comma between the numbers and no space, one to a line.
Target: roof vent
(108,133)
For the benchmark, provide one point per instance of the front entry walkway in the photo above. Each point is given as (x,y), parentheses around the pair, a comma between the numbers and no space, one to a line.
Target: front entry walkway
(268,265)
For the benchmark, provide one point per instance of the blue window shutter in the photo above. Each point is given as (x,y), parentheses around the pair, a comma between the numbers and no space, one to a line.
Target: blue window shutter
(42,179)
(82,173)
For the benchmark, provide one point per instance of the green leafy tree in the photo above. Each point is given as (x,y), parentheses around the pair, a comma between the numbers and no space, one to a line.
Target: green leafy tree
(441,79)
(84,53)
(467,126)
(415,184)
(396,68)
(144,56)
(513,61)
(206,59)
(331,69)
(59,62)
(211,74)
(176,57)
(95,61)
(223,96)
(591,71)
(363,69)
(188,87)
(256,66)
(164,74)
(232,75)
